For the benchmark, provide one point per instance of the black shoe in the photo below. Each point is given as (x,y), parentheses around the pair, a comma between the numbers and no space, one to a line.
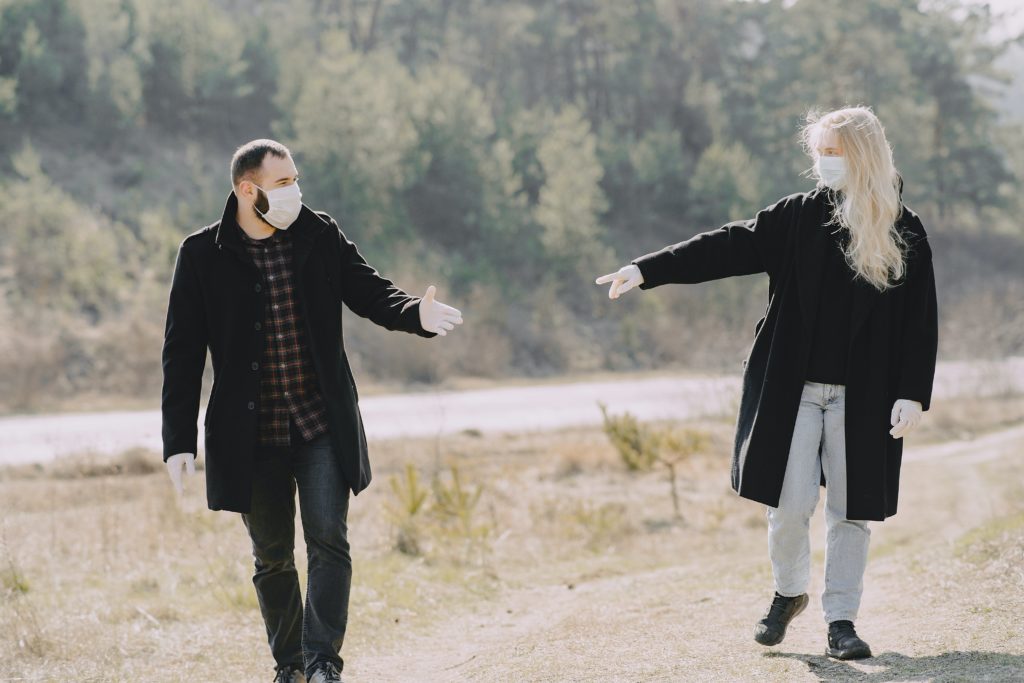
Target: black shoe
(772,628)
(290,674)
(326,672)
(844,643)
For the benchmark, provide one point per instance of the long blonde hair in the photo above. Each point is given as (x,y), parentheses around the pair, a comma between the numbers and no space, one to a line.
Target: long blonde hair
(869,202)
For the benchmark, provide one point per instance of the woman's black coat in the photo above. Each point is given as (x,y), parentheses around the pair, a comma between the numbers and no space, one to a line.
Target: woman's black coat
(217,300)
(891,352)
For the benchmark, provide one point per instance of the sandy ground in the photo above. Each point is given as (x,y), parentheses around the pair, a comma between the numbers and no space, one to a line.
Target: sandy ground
(579,572)
(927,617)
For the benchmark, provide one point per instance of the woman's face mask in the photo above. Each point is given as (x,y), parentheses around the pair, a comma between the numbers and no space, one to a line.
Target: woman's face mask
(832,171)
(284,205)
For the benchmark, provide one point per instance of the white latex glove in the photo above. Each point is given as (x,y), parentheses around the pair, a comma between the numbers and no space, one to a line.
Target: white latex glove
(175,463)
(905,416)
(622,281)
(436,316)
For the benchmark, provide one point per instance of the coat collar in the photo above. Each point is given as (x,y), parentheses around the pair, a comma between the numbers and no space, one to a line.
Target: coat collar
(811,246)
(303,231)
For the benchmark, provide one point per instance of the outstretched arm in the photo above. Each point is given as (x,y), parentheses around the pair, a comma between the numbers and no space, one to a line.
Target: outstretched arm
(737,248)
(377,298)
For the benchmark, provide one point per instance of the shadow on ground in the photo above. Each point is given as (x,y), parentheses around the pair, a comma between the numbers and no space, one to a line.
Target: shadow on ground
(893,666)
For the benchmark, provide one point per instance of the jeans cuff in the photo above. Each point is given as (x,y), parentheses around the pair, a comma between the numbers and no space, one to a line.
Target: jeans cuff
(829,618)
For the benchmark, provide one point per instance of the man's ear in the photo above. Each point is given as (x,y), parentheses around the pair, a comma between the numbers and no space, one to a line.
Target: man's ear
(246,189)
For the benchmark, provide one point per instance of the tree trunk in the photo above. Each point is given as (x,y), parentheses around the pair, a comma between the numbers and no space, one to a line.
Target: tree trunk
(371,33)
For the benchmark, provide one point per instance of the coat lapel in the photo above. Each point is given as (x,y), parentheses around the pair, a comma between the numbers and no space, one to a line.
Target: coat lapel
(303,230)
(228,238)
(864,298)
(810,270)
(810,261)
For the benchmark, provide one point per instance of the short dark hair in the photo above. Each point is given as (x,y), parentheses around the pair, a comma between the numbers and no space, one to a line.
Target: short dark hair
(249,157)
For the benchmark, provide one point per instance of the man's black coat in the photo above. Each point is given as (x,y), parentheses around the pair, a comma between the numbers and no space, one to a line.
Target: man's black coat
(891,354)
(217,300)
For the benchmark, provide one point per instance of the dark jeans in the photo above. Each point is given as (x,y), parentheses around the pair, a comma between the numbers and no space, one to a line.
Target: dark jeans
(297,636)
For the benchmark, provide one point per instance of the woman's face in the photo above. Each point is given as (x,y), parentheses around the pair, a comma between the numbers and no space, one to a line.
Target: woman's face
(830,145)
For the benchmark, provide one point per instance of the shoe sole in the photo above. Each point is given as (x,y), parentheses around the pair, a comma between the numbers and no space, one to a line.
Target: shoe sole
(782,636)
(854,653)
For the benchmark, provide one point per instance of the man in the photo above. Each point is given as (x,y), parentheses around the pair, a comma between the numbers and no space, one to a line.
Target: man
(262,288)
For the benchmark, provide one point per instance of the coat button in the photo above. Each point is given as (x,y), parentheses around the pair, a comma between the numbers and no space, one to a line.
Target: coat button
(252,405)
(258,287)
(258,326)
(255,365)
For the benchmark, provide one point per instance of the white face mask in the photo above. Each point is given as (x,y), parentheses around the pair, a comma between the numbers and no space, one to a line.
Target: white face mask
(832,171)
(285,204)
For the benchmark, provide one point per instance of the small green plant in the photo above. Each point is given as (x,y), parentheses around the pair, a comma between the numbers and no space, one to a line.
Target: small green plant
(678,446)
(642,447)
(455,509)
(635,443)
(445,514)
(28,632)
(605,523)
(405,511)
(13,581)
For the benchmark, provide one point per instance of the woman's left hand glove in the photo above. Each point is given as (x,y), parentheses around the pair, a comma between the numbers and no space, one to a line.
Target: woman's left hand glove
(906,414)
(436,316)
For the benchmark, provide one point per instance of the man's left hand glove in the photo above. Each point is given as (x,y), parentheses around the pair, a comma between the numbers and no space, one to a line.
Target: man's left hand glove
(906,414)
(436,316)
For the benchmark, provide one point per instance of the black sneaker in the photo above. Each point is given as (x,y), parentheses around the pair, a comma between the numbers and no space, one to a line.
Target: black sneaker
(844,643)
(772,628)
(326,672)
(290,674)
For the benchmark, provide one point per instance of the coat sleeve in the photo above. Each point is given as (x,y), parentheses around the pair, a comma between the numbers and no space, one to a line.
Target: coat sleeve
(738,248)
(372,296)
(184,358)
(919,343)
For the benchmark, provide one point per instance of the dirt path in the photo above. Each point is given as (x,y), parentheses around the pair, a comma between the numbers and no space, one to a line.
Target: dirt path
(692,621)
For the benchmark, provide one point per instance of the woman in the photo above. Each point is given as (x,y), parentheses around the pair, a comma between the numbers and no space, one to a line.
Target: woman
(842,362)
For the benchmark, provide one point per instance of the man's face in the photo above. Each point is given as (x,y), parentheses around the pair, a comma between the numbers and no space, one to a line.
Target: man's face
(273,173)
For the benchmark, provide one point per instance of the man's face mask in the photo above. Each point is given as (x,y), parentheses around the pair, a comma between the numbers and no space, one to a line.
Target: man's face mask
(283,205)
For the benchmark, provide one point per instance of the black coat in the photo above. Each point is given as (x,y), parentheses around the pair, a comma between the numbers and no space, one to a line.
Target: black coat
(217,300)
(891,354)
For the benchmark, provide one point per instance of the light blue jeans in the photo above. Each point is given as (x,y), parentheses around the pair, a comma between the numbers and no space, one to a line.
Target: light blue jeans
(820,428)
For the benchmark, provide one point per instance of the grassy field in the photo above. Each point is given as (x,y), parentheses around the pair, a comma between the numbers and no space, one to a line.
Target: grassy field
(533,557)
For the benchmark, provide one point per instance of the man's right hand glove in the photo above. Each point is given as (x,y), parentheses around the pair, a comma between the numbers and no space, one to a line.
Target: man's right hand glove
(622,281)
(175,464)
(437,317)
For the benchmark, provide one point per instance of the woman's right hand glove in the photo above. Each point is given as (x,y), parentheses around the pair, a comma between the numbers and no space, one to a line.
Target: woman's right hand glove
(906,414)
(622,281)
(175,464)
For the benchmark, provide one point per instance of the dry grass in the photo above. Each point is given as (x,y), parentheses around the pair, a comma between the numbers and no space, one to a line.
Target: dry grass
(969,418)
(104,576)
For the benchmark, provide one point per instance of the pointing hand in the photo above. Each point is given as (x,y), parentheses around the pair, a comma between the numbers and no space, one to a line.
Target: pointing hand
(622,281)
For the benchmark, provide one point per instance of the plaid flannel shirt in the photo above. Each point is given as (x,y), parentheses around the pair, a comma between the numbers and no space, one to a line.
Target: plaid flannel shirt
(288,383)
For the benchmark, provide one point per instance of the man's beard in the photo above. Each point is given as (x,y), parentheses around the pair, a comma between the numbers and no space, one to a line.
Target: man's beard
(262,204)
